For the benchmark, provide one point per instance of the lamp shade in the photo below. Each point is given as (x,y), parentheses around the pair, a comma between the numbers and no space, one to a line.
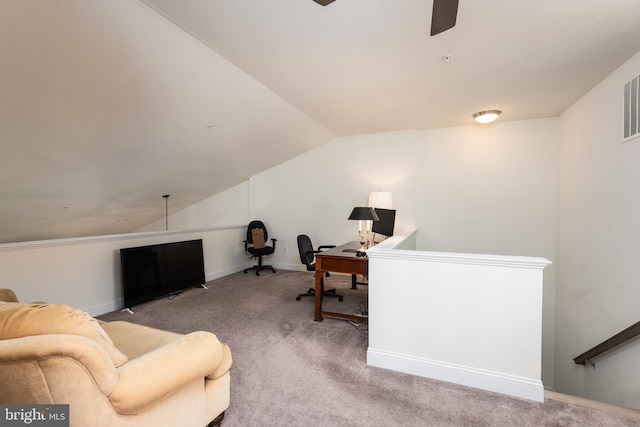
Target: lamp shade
(381,199)
(364,214)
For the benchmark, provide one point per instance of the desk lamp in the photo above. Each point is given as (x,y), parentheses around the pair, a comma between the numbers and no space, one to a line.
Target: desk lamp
(363,215)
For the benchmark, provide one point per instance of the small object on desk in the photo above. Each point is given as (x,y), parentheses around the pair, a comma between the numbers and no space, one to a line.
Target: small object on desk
(358,252)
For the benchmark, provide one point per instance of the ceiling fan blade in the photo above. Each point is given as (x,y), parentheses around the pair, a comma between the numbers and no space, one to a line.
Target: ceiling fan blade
(324,2)
(444,15)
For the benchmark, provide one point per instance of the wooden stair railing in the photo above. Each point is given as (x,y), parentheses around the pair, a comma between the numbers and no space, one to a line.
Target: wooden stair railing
(618,339)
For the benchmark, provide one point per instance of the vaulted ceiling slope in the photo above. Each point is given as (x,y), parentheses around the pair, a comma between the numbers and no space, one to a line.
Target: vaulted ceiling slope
(108,105)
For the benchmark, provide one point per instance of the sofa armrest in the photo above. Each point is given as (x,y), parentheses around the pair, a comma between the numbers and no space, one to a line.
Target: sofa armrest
(153,376)
(83,350)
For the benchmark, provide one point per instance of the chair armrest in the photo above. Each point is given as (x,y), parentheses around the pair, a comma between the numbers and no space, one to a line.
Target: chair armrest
(149,378)
(273,242)
(320,248)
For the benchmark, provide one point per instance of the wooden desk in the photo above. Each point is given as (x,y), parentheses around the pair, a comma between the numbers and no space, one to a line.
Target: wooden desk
(338,261)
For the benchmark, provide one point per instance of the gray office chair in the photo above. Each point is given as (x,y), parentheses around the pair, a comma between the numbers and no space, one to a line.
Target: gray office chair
(307,257)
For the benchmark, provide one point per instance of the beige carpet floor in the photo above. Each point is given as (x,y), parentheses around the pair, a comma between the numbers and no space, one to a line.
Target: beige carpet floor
(291,371)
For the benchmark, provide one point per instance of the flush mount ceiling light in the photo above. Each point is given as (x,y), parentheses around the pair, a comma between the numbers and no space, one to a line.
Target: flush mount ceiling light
(486,116)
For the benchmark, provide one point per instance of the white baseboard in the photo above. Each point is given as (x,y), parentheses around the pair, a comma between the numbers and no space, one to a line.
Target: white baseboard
(498,382)
(104,308)
(289,266)
(118,303)
(212,275)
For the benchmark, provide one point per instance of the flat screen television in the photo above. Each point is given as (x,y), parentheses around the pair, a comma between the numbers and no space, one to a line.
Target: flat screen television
(153,271)
(385,225)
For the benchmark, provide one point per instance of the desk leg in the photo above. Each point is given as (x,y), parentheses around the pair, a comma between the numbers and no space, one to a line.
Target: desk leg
(318,314)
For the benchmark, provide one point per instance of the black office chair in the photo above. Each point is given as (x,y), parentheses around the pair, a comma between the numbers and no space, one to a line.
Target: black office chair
(307,257)
(255,245)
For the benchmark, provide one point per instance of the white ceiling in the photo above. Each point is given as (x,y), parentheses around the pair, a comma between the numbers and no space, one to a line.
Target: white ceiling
(106,106)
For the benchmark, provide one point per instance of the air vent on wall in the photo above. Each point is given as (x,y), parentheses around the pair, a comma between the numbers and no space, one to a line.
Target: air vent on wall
(631,110)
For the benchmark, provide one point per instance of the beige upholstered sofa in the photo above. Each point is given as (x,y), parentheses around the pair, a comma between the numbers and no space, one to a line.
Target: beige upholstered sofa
(110,373)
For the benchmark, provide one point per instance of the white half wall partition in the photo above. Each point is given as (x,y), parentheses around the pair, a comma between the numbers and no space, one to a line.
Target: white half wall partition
(469,319)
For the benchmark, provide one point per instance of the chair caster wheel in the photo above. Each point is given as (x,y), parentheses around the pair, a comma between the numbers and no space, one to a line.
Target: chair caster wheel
(340,299)
(297,298)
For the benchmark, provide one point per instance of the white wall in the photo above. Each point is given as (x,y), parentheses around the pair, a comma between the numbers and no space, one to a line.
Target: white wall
(314,193)
(598,272)
(228,208)
(489,189)
(85,272)
(492,190)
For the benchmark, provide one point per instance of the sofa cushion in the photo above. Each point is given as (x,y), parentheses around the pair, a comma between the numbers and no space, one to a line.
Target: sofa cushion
(135,340)
(21,320)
